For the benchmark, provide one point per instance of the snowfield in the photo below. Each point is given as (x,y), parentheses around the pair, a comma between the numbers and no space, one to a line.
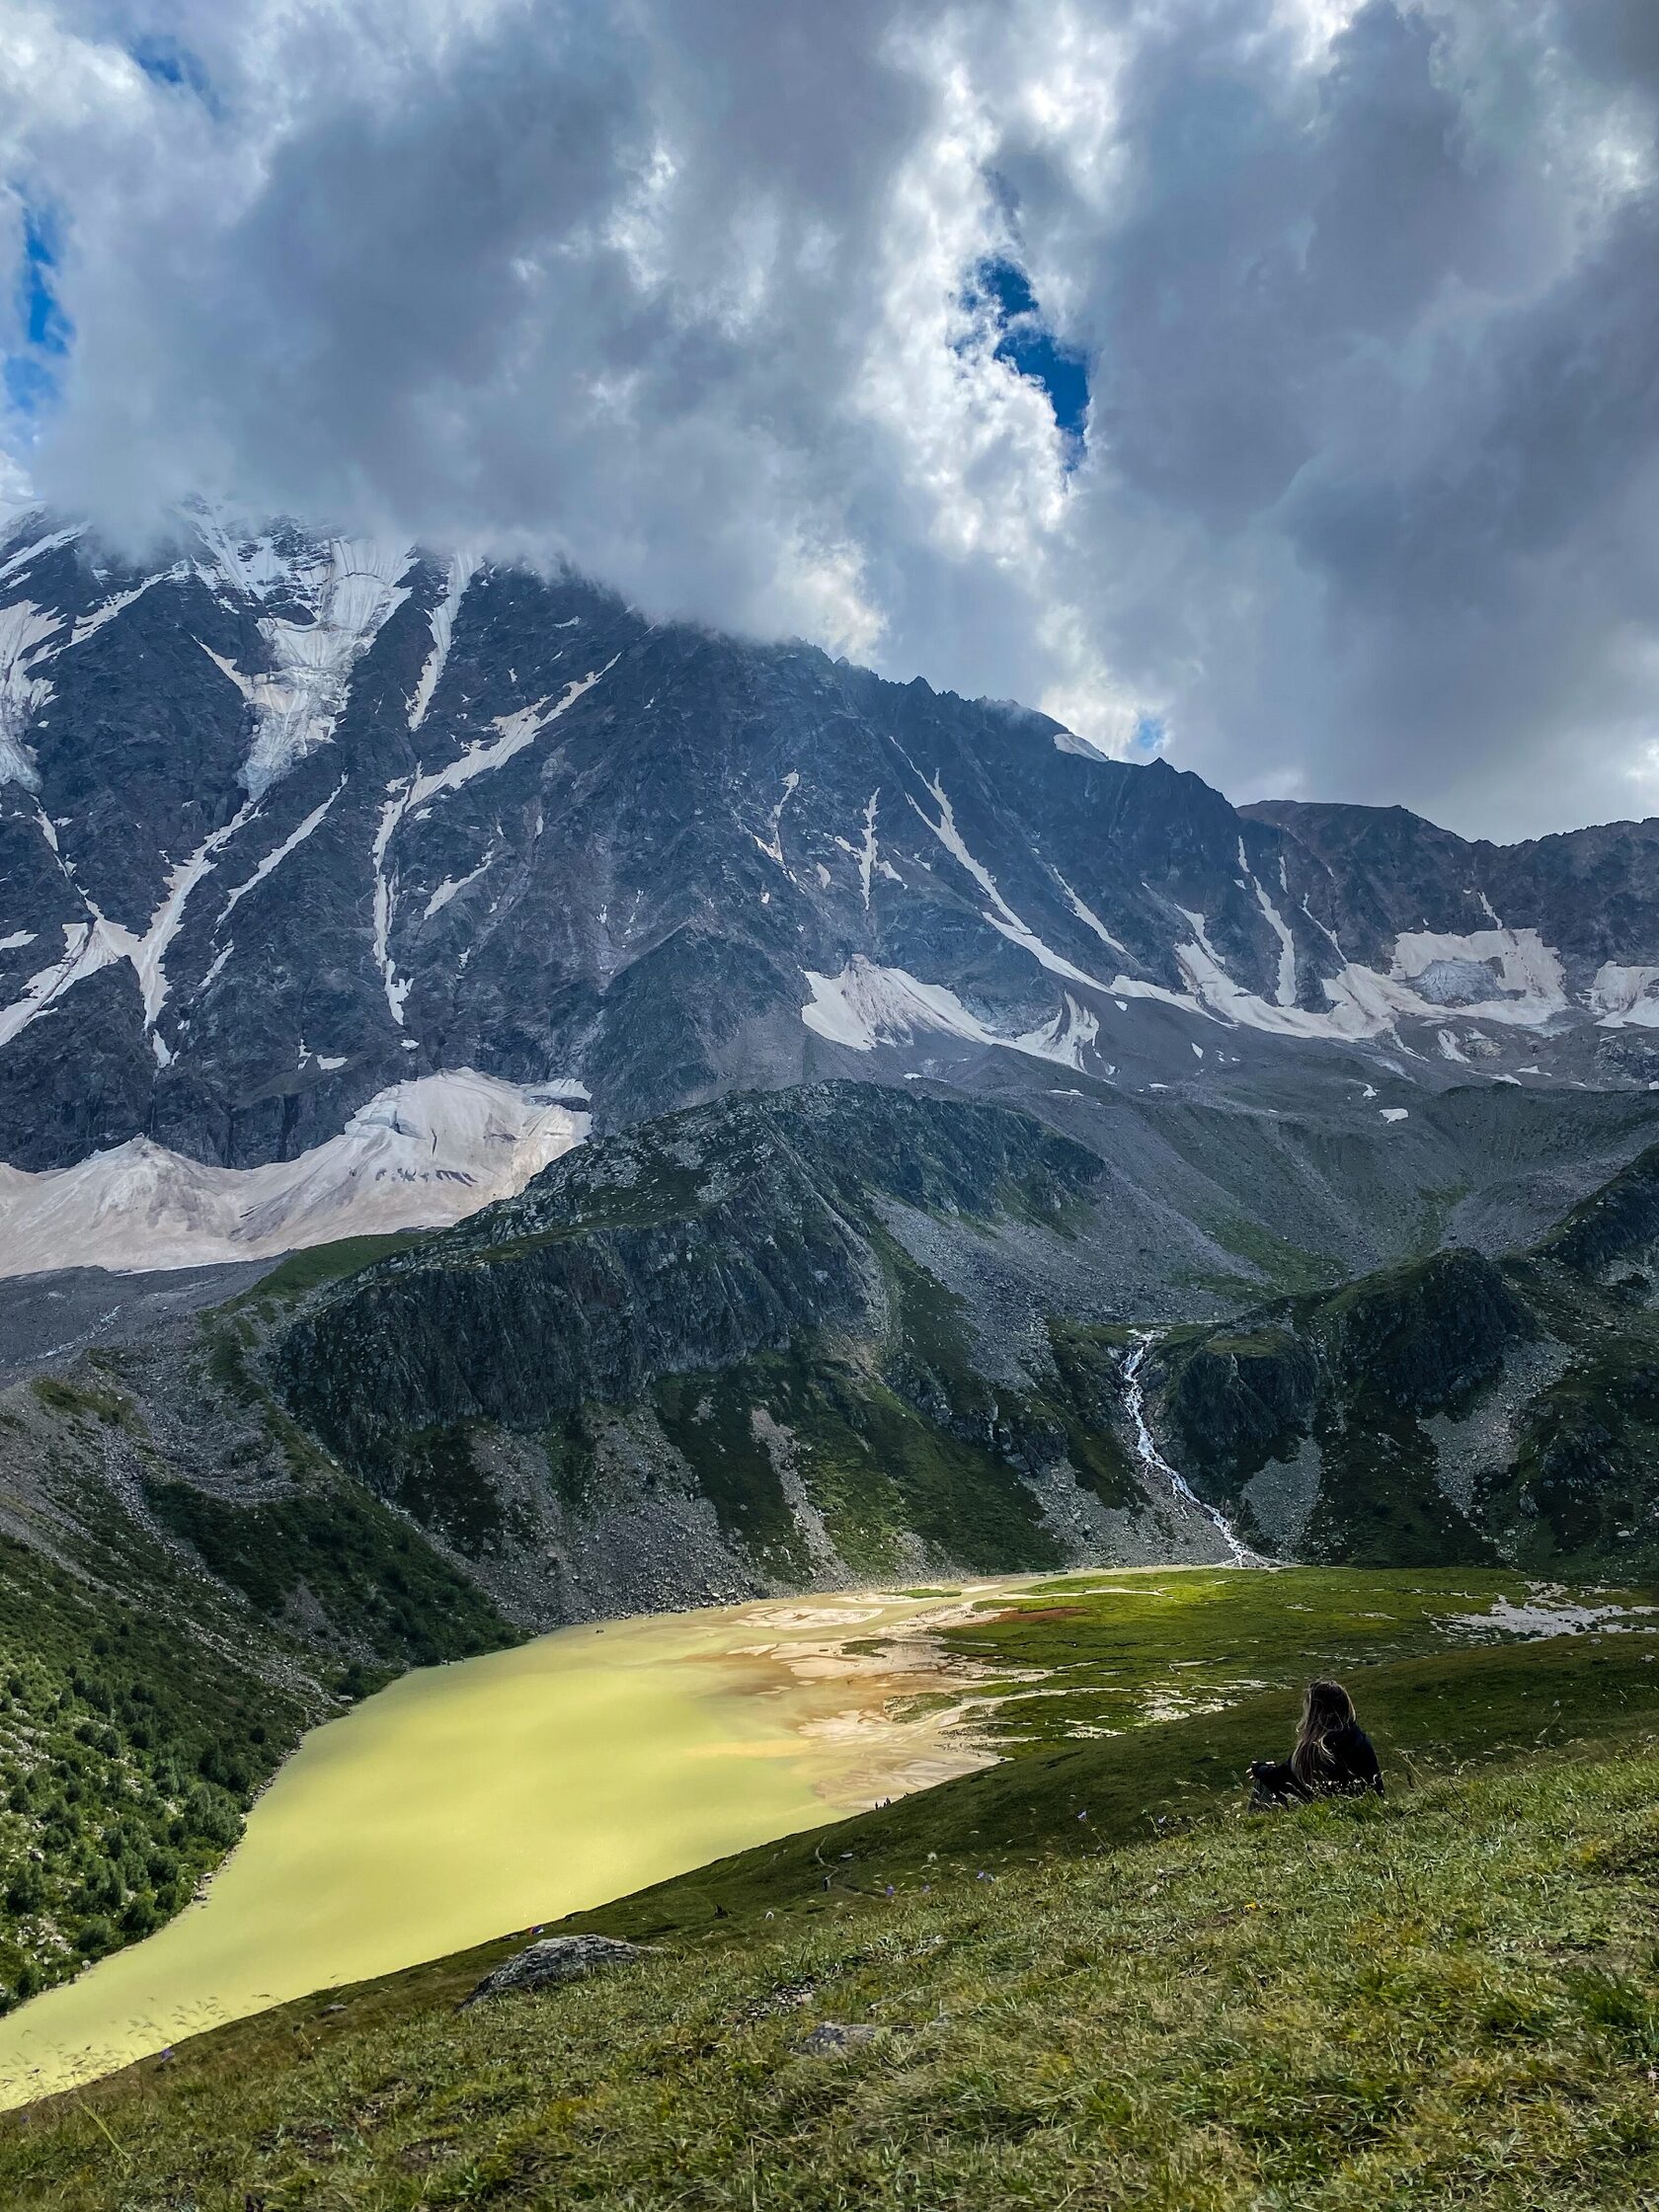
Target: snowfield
(420,1155)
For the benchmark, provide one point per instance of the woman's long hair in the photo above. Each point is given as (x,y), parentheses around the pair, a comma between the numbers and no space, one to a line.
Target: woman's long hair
(1326,1711)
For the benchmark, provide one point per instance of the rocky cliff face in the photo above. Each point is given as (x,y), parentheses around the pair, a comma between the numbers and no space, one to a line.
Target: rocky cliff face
(824,1322)
(287,822)
(1581,891)
(1613,1234)
(1458,1407)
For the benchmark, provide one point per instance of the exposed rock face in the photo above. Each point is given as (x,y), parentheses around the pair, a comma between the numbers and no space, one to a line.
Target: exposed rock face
(1580,891)
(1431,1335)
(1456,1407)
(1234,1406)
(686,1245)
(286,820)
(555,1960)
(1617,1227)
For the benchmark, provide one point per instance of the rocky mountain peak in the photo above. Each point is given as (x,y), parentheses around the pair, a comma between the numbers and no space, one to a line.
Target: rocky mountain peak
(288,820)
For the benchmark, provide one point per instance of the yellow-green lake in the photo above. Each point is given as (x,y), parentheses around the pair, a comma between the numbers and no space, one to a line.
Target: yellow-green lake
(504,1792)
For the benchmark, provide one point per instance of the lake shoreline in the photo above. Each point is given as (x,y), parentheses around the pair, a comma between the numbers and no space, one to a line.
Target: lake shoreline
(776,1725)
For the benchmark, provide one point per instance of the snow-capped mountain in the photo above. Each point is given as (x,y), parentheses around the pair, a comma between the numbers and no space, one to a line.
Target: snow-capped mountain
(288,823)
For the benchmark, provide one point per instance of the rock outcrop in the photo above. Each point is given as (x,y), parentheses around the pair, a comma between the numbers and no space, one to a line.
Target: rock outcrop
(554,1960)
(1458,1407)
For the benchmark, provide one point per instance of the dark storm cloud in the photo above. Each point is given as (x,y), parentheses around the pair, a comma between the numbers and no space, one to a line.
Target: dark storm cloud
(1380,402)
(687,290)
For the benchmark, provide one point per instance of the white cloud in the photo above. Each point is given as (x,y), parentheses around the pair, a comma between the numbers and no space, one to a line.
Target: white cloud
(676,288)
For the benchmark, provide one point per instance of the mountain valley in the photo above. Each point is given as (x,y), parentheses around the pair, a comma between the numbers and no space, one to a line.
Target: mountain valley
(518,1114)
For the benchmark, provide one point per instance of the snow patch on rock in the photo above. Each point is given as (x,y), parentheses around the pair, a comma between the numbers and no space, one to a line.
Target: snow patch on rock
(118,601)
(98,942)
(350,588)
(1086,914)
(867,1006)
(1000,915)
(447,888)
(1530,984)
(1285,991)
(24,629)
(1626,998)
(463,567)
(32,547)
(771,844)
(1429,972)
(419,1155)
(513,732)
(867,854)
(275,858)
(88,946)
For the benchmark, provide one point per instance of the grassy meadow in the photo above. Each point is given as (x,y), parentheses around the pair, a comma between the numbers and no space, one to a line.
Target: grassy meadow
(1095,1977)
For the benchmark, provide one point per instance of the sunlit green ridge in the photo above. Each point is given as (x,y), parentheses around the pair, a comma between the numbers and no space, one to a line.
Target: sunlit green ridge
(511,1789)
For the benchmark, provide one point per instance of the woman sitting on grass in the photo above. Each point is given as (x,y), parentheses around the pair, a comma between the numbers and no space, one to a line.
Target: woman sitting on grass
(1333,1755)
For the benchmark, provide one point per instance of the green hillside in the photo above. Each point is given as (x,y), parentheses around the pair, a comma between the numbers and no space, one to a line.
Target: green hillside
(1451,1407)
(700,1360)
(163,1645)
(1450,1997)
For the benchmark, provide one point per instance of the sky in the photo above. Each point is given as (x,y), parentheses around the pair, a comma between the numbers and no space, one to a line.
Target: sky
(1272,383)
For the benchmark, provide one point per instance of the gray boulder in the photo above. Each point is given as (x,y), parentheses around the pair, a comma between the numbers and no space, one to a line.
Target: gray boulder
(836,2039)
(556,1958)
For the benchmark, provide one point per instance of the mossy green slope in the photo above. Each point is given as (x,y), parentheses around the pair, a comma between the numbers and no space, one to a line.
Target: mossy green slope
(163,1645)
(1450,1997)
(1458,1407)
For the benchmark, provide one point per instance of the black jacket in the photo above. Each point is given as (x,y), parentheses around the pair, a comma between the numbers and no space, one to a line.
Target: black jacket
(1353,1770)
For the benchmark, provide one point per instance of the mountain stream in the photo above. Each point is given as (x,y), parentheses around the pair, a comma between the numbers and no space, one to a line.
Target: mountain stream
(1158,1467)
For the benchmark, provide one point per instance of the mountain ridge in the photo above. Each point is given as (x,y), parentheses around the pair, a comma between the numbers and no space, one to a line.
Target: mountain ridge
(286,820)
(781,1341)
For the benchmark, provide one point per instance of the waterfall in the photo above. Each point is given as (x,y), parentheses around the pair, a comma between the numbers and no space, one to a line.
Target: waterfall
(1154,1460)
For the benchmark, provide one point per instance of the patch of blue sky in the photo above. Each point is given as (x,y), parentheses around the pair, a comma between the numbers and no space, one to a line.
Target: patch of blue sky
(31,373)
(1000,289)
(1151,737)
(169,64)
(45,323)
